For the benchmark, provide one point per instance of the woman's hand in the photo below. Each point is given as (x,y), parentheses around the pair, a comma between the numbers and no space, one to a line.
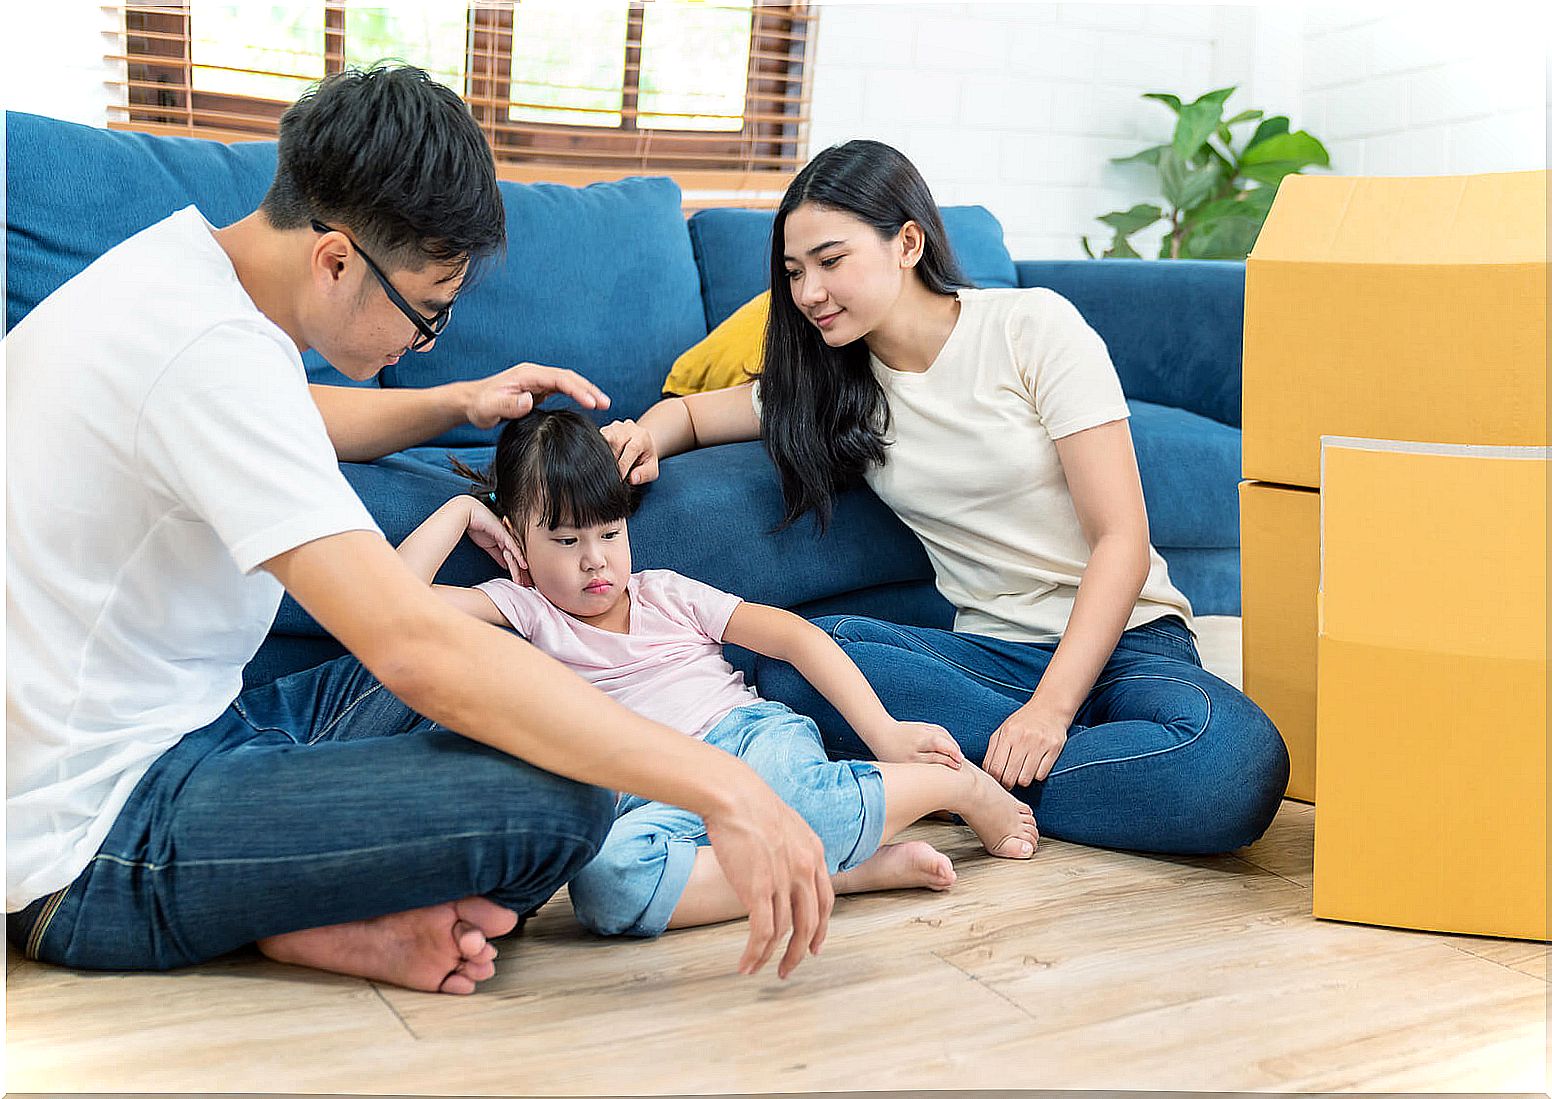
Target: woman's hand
(918,742)
(512,394)
(634,449)
(1025,747)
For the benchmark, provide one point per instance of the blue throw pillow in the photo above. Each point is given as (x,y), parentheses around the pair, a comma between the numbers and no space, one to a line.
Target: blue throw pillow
(732,250)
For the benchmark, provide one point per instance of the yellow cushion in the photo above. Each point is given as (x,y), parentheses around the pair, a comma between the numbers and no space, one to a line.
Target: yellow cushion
(729,355)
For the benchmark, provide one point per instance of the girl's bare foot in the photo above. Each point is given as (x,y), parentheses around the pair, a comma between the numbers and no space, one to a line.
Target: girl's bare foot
(913,865)
(1004,823)
(442,948)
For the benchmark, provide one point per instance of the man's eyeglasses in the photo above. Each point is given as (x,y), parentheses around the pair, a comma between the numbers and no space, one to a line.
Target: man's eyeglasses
(426,328)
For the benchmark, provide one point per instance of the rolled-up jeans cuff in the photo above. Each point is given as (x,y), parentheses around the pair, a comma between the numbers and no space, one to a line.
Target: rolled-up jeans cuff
(871,782)
(678,863)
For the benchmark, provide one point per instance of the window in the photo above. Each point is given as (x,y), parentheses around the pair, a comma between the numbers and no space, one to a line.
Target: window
(563,89)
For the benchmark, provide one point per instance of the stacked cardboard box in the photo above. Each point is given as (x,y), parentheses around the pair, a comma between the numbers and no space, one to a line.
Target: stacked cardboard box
(1432,703)
(1408,309)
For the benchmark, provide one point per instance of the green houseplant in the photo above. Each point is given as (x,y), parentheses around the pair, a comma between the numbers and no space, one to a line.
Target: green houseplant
(1217,196)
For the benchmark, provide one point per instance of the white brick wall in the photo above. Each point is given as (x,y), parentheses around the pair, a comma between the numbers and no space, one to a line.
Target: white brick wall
(51,61)
(1428,90)
(1018,105)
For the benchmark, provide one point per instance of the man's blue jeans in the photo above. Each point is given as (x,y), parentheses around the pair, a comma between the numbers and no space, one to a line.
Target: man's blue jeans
(1162,756)
(317,799)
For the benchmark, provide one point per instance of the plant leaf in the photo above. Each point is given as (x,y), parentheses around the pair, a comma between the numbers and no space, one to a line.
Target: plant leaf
(1170,101)
(1195,125)
(1122,249)
(1222,238)
(1127,222)
(1243,116)
(1185,186)
(1277,124)
(1147,156)
(1299,148)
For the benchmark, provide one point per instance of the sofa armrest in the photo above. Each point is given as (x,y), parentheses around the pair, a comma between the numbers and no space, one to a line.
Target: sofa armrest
(1174,327)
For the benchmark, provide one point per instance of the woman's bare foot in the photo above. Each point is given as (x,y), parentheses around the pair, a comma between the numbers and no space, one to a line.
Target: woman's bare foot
(442,948)
(913,865)
(1004,823)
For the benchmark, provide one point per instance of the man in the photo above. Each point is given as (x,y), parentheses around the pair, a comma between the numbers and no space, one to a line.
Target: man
(385,815)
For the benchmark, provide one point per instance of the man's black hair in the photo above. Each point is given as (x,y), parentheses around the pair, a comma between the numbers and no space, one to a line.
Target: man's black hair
(395,159)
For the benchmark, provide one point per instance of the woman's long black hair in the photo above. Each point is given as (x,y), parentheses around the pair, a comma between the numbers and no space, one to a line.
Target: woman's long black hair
(824,415)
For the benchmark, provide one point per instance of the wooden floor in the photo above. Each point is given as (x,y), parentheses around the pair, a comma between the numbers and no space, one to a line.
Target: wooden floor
(1081,969)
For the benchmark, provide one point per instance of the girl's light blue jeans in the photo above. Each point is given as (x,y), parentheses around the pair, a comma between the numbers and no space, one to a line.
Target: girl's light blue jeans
(1162,756)
(317,799)
(635,883)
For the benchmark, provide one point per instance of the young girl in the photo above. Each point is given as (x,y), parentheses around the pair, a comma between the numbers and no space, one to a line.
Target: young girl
(652,640)
(993,423)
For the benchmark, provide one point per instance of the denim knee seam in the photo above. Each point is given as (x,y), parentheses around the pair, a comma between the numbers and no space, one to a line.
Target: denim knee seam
(242,712)
(45,917)
(345,712)
(926,649)
(1192,739)
(354,852)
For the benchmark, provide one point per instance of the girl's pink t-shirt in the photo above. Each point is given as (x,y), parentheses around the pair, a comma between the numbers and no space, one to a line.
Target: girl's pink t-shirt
(669,667)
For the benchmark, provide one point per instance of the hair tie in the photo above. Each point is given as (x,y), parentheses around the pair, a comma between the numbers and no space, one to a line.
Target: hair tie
(491,496)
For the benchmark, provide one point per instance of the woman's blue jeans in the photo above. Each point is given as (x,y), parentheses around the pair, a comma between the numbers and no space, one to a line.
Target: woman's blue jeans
(1162,756)
(317,799)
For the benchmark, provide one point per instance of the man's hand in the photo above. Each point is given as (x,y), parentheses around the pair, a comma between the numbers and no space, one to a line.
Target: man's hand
(1024,747)
(776,865)
(917,742)
(513,393)
(634,450)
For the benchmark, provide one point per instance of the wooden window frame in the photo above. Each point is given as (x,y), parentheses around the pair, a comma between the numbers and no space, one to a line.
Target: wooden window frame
(755,162)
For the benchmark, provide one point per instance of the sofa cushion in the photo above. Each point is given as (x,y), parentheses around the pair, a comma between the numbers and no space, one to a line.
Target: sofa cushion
(1173,327)
(732,249)
(597,279)
(1190,476)
(72,192)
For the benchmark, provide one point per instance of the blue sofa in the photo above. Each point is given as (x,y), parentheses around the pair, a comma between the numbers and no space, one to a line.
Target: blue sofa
(612,281)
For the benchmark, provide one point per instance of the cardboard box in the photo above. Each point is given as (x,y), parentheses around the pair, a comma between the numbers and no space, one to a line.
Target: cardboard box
(1279,575)
(1432,704)
(1409,308)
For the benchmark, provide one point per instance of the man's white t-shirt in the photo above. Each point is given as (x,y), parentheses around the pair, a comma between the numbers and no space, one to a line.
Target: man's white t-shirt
(972,467)
(161,444)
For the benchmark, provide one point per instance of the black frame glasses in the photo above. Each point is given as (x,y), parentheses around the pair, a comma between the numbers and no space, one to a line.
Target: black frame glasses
(427,328)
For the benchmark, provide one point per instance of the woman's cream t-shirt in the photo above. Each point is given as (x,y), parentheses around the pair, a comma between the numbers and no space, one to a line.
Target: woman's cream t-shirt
(972,466)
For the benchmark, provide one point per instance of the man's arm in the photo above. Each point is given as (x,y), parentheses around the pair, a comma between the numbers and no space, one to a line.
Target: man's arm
(495,688)
(365,423)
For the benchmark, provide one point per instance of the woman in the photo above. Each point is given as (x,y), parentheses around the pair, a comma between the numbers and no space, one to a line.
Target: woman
(992,422)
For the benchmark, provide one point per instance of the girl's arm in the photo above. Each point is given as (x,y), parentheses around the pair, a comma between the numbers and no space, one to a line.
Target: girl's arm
(428,545)
(783,635)
(1101,469)
(677,424)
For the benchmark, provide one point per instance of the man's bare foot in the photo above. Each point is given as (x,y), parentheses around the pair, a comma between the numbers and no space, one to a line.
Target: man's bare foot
(913,865)
(1004,823)
(442,948)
